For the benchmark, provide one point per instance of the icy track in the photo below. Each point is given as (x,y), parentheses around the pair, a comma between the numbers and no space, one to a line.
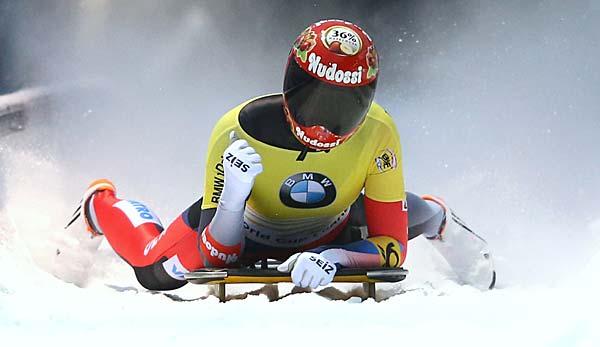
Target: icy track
(61,288)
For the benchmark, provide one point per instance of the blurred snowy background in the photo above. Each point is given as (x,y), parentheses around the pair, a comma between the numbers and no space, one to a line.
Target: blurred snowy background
(497,104)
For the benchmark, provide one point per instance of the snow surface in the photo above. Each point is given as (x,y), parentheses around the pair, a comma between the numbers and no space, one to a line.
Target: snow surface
(507,90)
(61,287)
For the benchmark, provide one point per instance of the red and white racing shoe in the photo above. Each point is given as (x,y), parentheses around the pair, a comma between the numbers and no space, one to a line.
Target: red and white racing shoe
(466,252)
(84,207)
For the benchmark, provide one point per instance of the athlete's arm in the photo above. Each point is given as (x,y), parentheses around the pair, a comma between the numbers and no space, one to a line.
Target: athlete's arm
(386,247)
(387,223)
(231,167)
(221,242)
(385,208)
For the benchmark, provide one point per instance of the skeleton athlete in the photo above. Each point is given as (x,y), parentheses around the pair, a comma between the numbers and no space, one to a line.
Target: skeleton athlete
(312,177)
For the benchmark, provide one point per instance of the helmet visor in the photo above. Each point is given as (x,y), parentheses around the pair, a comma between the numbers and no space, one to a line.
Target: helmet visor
(313,102)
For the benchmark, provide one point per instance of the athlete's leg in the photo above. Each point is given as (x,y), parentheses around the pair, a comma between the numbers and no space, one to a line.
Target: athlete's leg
(424,217)
(466,252)
(159,258)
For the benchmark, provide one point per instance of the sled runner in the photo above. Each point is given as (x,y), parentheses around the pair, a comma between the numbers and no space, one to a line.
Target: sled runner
(265,272)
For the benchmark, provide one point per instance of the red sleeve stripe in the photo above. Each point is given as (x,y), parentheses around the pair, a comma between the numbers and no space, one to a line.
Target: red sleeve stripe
(217,254)
(387,219)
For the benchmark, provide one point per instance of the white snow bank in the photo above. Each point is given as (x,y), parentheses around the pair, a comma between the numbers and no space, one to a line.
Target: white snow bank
(106,305)
(37,308)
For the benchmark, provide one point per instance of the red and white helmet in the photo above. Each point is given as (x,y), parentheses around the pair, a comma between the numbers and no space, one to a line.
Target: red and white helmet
(329,84)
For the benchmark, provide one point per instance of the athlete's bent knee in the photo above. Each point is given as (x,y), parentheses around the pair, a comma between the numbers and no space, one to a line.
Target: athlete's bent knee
(154,277)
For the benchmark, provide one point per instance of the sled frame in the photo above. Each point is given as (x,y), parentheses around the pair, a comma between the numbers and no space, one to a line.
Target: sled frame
(268,275)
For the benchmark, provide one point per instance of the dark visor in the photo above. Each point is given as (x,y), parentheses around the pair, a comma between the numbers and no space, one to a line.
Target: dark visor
(313,102)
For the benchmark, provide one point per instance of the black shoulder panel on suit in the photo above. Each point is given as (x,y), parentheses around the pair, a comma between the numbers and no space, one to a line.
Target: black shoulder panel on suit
(264,120)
